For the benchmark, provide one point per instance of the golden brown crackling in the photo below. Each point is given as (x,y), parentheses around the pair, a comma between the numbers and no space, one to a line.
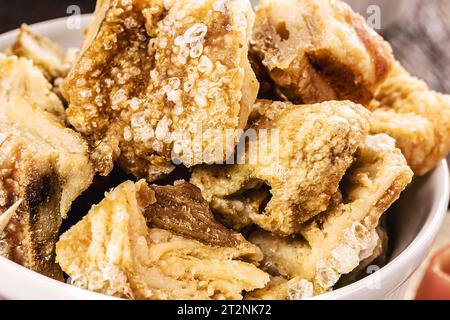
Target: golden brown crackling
(19,77)
(138,262)
(42,51)
(377,48)
(47,166)
(280,288)
(43,164)
(317,143)
(378,259)
(182,209)
(31,176)
(417,117)
(320,50)
(337,240)
(173,83)
(44,129)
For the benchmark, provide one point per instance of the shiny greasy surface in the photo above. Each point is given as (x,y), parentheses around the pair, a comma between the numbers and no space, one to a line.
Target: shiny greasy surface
(154,75)
(321,50)
(113,251)
(295,162)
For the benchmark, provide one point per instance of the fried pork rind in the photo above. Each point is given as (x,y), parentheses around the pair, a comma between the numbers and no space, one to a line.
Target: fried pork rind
(29,177)
(43,52)
(378,259)
(320,50)
(154,74)
(19,77)
(43,164)
(112,251)
(418,118)
(75,172)
(47,166)
(235,211)
(315,143)
(335,242)
(47,175)
(182,209)
(280,288)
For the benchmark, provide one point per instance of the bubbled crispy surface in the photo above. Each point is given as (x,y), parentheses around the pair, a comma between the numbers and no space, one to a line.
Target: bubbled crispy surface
(153,73)
(112,251)
(417,117)
(316,143)
(337,240)
(19,77)
(319,50)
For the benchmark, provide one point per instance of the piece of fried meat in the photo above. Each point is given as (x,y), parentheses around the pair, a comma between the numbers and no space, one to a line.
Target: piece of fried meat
(319,50)
(417,117)
(114,251)
(44,167)
(182,209)
(155,80)
(299,153)
(44,53)
(336,241)
(20,77)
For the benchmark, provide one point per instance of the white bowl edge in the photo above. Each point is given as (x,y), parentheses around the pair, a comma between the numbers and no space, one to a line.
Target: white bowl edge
(409,259)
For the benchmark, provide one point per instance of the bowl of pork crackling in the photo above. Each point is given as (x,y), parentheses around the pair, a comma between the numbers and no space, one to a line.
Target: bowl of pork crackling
(212,149)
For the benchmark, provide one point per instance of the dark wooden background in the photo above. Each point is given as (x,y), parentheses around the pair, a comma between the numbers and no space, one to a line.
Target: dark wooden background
(14,12)
(421,41)
(420,37)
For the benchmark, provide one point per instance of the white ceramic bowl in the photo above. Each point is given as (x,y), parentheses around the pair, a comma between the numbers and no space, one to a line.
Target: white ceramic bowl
(414,221)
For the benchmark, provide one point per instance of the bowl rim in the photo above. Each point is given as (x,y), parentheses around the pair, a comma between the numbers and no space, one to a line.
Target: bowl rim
(422,241)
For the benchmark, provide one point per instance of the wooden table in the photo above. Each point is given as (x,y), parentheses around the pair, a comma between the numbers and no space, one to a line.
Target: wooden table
(421,41)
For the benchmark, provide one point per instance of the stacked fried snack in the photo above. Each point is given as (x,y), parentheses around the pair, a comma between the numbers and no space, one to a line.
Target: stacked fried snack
(286,196)
(295,167)
(154,73)
(315,51)
(44,166)
(138,243)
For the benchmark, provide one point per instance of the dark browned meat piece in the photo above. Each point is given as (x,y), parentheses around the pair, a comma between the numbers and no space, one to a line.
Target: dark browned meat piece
(182,210)
(319,50)
(43,164)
